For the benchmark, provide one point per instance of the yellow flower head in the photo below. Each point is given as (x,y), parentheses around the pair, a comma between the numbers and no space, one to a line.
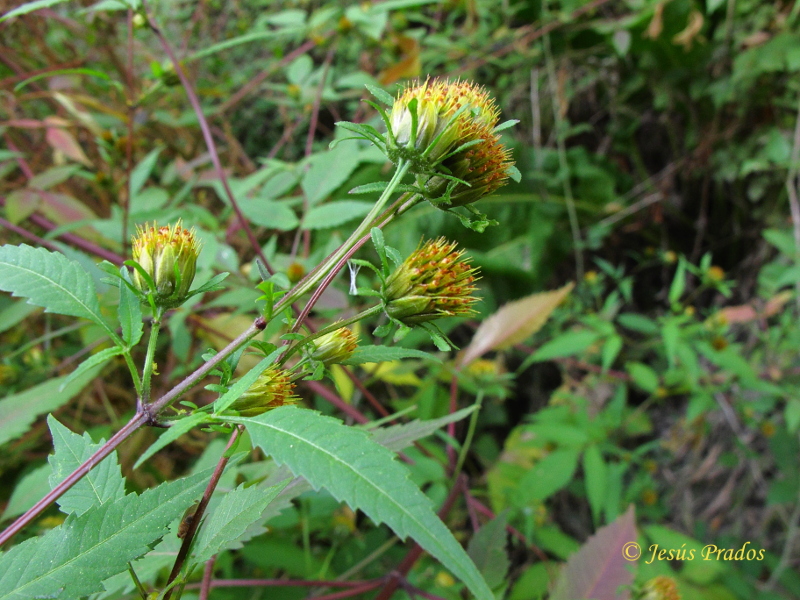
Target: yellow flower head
(168,255)
(432,282)
(272,389)
(335,347)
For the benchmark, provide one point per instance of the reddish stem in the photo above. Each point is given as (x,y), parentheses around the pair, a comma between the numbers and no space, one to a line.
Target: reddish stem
(209,139)
(183,553)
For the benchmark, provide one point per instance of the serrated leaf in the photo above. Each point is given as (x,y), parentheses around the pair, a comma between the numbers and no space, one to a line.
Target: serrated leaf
(487,549)
(599,569)
(176,430)
(73,559)
(513,323)
(230,521)
(398,437)
(50,280)
(334,214)
(375,354)
(20,410)
(356,470)
(129,313)
(104,483)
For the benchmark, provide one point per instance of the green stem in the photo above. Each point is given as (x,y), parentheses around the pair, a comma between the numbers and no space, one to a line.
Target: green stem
(462,456)
(147,371)
(317,276)
(332,327)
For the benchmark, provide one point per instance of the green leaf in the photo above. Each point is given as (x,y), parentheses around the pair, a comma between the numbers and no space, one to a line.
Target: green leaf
(141,172)
(398,437)
(334,214)
(356,470)
(73,559)
(14,314)
(636,322)
(50,280)
(381,95)
(129,313)
(375,354)
(95,360)
(30,7)
(595,476)
(610,351)
(643,376)
(27,492)
(328,171)
(176,430)
(20,410)
(104,483)
(566,344)
(229,524)
(548,476)
(487,549)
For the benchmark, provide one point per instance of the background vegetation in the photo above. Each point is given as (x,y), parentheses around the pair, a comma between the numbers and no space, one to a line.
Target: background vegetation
(658,145)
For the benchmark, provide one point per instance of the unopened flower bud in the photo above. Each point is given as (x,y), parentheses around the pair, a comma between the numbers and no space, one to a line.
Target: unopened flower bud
(272,389)
(335,347)
(169,256)
(432,282)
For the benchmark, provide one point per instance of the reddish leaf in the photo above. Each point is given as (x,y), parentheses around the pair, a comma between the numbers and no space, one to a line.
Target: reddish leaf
(599,570)
(62,140)
(513,323)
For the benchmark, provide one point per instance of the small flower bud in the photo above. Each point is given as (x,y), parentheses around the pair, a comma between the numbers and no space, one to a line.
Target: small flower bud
(432,282)
(169,256)
(334,347)
(272,389)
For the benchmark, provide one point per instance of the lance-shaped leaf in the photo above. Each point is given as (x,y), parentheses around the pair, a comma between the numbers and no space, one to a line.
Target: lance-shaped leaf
(51,280)
(365,475)
(229,523)
(102,484)
(73,559)
(513,323)
(599,569)
(20,410)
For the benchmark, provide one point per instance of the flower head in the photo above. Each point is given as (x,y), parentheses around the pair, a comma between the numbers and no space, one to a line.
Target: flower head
(272,389)
(432,282)
(334,347)
(484,168)
(168,255)
(445,113)
(661,588)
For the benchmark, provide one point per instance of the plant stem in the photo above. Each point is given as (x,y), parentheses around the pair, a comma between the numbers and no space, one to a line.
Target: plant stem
(183,553)
(147,370)
(313,278)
